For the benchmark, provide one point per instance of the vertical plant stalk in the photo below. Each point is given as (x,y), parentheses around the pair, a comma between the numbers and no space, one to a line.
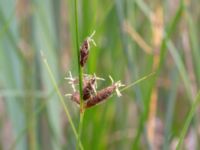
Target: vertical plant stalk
(189,59)
(80,72)
(24,28)
(188,120)
(157,21)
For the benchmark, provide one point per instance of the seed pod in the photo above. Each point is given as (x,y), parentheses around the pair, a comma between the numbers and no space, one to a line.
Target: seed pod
(89,89)
(100,96)
(88,86)
(84,50)
(93,100)
(90,96)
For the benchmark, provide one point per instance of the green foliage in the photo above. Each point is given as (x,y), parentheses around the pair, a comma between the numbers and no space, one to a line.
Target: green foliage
(31,90)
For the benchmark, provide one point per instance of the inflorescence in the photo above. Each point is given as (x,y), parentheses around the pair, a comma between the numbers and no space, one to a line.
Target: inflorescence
(91,95)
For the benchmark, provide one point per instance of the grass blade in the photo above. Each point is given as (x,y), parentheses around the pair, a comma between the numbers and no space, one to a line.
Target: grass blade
(188,121)
(61,99)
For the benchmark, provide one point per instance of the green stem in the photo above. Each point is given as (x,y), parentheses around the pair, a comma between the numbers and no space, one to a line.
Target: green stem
(80,126)
(80,72)
(188,121)
(138,81)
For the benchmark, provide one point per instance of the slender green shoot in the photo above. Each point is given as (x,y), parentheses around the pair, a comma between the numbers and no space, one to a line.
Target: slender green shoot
(80,72)
(61,99)
(188,121)
(135,82)
(138,81)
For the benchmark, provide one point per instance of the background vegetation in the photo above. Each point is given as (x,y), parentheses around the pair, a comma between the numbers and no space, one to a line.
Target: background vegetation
(134,38)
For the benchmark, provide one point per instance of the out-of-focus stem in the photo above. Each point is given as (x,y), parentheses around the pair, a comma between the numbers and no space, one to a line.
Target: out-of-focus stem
(157,27)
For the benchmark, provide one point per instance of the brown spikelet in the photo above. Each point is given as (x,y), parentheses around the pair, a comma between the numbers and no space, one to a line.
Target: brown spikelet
(84,52)
(88,86)
(100,96)
(92,99)
(88,89)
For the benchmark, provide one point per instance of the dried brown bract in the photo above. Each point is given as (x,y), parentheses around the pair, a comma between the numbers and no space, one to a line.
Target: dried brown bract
(84,50)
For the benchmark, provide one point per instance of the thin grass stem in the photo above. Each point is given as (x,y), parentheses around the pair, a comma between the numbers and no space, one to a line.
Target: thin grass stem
(138,81)
(61,100)
(80,72)
(188,121)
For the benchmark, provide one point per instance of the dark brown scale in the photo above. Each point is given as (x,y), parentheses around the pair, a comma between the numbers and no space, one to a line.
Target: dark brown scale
(84,52)
(87,87)
(100,96)
(88,91)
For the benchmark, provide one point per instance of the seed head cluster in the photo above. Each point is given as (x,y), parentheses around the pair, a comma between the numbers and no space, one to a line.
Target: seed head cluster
(91,96)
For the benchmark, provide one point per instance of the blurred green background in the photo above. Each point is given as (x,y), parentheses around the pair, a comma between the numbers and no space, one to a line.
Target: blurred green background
(134,38)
